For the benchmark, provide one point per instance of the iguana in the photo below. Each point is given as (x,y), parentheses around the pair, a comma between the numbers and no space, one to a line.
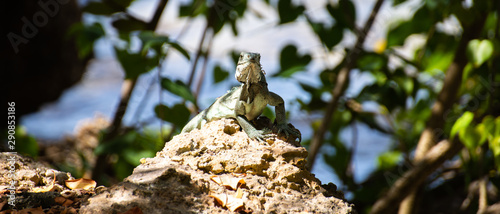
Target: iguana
(246,102)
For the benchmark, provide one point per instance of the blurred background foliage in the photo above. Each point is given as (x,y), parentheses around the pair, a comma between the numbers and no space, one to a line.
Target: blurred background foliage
(403,93)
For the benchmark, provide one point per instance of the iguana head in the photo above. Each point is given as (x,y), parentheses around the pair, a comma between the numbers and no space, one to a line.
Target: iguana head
(249,69)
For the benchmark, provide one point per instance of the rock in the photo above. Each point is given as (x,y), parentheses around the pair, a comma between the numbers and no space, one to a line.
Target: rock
(28,173)
(179,178)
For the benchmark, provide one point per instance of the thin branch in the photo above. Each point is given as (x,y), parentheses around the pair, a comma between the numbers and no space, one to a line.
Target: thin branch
(145,97)
(483,194)
(198,54)
(340,86)
(354,145)
(204,66)
(157,15)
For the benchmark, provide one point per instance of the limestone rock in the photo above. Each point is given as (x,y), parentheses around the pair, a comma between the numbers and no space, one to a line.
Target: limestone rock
(178,179)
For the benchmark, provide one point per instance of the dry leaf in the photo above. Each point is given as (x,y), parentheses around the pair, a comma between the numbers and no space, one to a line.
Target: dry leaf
(230,202)
(82,183)
(239,175)
(228,181)
(43,189)
(221,199)
(63,201)
(238,193)
(234,203)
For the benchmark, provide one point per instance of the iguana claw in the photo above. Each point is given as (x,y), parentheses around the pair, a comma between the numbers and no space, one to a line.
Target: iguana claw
(287,130)
(260,135)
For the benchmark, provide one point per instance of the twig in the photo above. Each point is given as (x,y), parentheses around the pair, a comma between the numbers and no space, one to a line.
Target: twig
(204,66)
(340,86)
(197,56)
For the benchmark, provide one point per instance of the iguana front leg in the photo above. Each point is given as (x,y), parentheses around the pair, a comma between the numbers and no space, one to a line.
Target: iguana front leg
(247,127)
(251,131)
(277,101)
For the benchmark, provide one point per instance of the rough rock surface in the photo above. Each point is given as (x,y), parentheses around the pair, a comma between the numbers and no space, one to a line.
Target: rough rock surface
(29,174)
(178,179)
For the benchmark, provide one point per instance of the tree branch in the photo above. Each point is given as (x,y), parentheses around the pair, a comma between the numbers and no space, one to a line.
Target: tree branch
(445,100)
(340,86)
(413,178)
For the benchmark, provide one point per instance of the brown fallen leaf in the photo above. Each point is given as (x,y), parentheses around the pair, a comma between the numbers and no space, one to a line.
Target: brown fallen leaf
(228,201)
(63,201)
(48,188)
(228,181)
(81,183)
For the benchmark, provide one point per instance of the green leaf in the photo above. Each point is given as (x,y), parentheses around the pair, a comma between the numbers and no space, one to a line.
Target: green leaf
(479,51)
(180,49)
(421,22)
(290,71)
(495,148)
(123,3)
(469,134)
(470,137)
(344,14)
(132,156)
(397,2)
(85,37)
(330,36)
(461,124)
(289,12)
(291,62)
(101,8)
(151,40)
(372,62)
(220,74)
(439,60)
(389,159)
(178,88)
(26,144)
(116,145)
(134,64)
(194,9)
(177,115)
(128,25)
(269,113)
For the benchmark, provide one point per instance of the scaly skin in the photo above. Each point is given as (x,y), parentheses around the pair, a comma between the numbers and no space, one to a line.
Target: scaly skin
(246,102)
